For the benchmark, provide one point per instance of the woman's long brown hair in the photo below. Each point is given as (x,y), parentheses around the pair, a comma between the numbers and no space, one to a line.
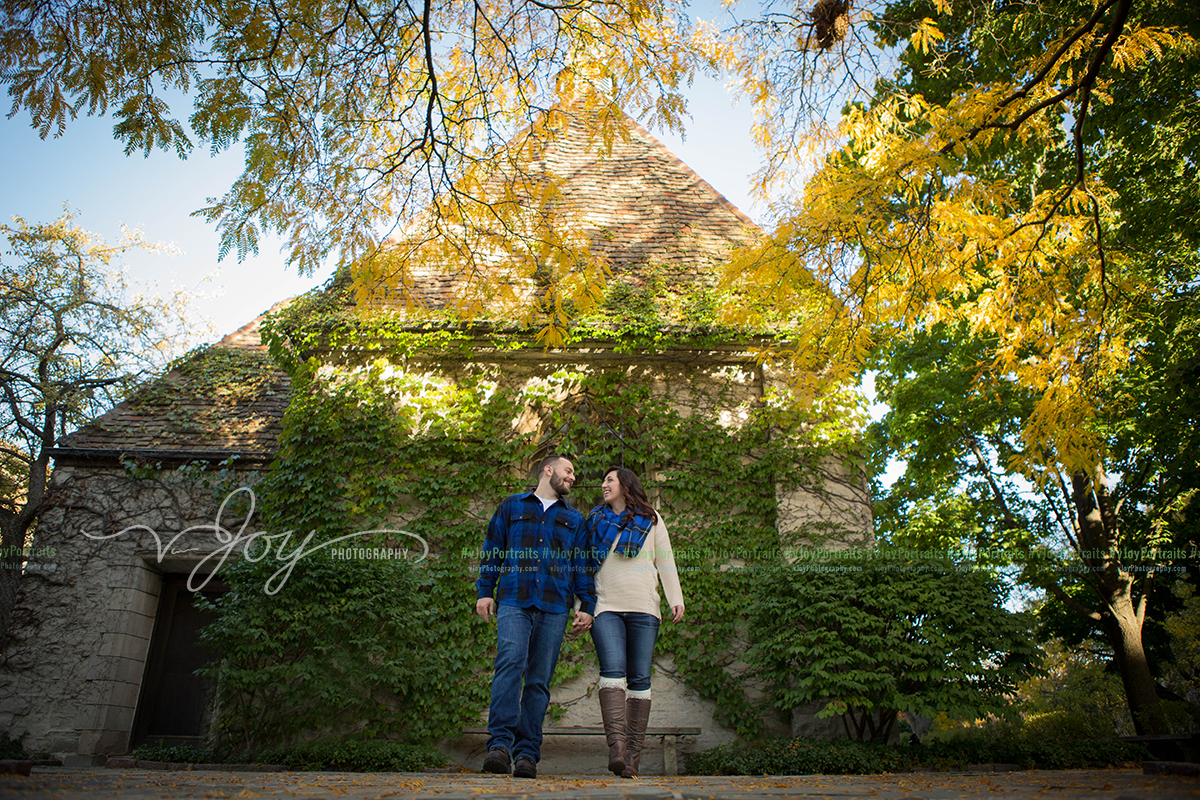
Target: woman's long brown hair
(636,501)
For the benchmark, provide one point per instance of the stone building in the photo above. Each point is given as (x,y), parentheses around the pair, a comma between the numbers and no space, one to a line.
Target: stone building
(105,637)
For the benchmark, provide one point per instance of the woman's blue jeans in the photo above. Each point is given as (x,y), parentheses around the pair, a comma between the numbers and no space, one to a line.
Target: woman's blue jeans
(528,641)
(625,646)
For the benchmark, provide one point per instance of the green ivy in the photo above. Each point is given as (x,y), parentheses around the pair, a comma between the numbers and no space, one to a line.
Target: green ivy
(214,373)
(374,444)
(649,316)
(346,641)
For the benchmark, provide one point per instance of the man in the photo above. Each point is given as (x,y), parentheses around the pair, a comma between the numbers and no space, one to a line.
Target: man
(535,560)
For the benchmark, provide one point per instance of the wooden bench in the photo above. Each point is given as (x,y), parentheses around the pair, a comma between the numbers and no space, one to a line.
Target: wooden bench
(668,735)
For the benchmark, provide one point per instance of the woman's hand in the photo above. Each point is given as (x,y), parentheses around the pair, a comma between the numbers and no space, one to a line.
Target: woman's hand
(677,613)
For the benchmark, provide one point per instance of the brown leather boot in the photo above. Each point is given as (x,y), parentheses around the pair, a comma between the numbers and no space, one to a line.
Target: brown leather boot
(612,711)
(637,714)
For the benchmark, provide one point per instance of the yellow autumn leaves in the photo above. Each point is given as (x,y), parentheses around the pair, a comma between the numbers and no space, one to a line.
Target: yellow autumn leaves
(942,212)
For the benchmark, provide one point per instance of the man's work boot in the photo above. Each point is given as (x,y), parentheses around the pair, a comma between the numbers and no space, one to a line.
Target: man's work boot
(524,768)
(497,761)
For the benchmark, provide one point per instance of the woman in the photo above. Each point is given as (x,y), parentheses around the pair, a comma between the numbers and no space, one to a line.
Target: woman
(631,542)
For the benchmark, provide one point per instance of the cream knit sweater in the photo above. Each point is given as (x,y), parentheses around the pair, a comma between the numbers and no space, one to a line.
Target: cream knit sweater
(631,584)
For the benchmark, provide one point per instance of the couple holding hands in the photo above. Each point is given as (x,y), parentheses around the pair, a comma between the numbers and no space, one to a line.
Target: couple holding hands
(541,558)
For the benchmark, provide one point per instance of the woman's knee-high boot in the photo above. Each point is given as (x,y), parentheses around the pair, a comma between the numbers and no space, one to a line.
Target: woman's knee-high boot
(637,714)
(612,711)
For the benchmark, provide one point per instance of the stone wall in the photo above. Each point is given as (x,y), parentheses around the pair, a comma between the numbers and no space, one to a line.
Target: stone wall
(82,627)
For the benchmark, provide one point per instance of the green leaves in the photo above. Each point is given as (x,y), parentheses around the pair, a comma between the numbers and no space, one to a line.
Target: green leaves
(143,125)
(408,429)
(356,119)
(867,637)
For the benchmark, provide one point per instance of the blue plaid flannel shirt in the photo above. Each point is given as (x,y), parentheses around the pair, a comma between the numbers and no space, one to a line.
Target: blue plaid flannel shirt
(535,558)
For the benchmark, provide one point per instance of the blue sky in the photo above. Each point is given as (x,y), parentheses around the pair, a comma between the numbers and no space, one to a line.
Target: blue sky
(88,168)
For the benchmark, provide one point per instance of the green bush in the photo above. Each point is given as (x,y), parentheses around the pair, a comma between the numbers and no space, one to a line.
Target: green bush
(1069,725)
(180,753)
(342,754)
(1042,754)
(845,757)
(876,635)
(1078,695)
(799,757)
(12,748)
(351,755)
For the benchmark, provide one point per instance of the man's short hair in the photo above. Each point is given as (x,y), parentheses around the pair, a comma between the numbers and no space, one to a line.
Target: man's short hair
(550,460)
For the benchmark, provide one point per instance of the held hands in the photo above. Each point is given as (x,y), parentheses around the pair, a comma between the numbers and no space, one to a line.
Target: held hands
(485,607)
(676,613)
(582,622)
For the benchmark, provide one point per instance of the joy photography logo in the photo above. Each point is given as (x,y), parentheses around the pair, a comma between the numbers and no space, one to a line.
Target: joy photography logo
(259,545)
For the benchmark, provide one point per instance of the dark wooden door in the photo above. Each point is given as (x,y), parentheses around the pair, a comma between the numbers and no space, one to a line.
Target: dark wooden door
(173,702)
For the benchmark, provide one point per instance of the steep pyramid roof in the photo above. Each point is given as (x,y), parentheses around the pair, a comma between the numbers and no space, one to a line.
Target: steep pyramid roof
(643,204)
(639,206)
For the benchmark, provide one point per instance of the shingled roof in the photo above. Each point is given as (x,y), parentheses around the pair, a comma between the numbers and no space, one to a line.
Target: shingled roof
(642,204)
(641,208)
(225,401)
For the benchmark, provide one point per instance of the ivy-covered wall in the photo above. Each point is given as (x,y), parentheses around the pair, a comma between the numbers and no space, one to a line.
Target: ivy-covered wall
(394,429)
(396,437)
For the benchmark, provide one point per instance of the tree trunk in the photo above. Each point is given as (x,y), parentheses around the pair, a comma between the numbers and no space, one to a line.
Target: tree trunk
(1124,631)
(10,573)
(1120,619)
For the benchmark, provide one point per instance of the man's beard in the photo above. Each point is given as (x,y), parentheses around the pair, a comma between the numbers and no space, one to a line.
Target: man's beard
(559,486)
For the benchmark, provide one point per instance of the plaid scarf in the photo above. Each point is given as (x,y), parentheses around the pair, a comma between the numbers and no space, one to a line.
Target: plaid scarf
(627,530)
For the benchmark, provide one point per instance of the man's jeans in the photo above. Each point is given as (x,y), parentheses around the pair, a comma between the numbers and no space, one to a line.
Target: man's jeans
(625,646)
(528,641)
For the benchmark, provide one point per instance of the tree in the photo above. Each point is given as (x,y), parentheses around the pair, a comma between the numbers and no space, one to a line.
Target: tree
(357,116)
(995,165)
(959,433)
(871,637)
(1012,190)
(72,342)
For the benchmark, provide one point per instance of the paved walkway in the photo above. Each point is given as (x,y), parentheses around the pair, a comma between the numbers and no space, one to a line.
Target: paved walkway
(98,783)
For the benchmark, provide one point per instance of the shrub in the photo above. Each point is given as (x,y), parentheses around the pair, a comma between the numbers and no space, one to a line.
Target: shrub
(846,757)
(343,754)
(1078,695)
(352,755)
(12,748)
(874,636)
(798,757)
(1040,754)
(180,753)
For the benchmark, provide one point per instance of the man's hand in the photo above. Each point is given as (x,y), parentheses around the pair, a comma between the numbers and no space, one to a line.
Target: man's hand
(582,622)
(485,607)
